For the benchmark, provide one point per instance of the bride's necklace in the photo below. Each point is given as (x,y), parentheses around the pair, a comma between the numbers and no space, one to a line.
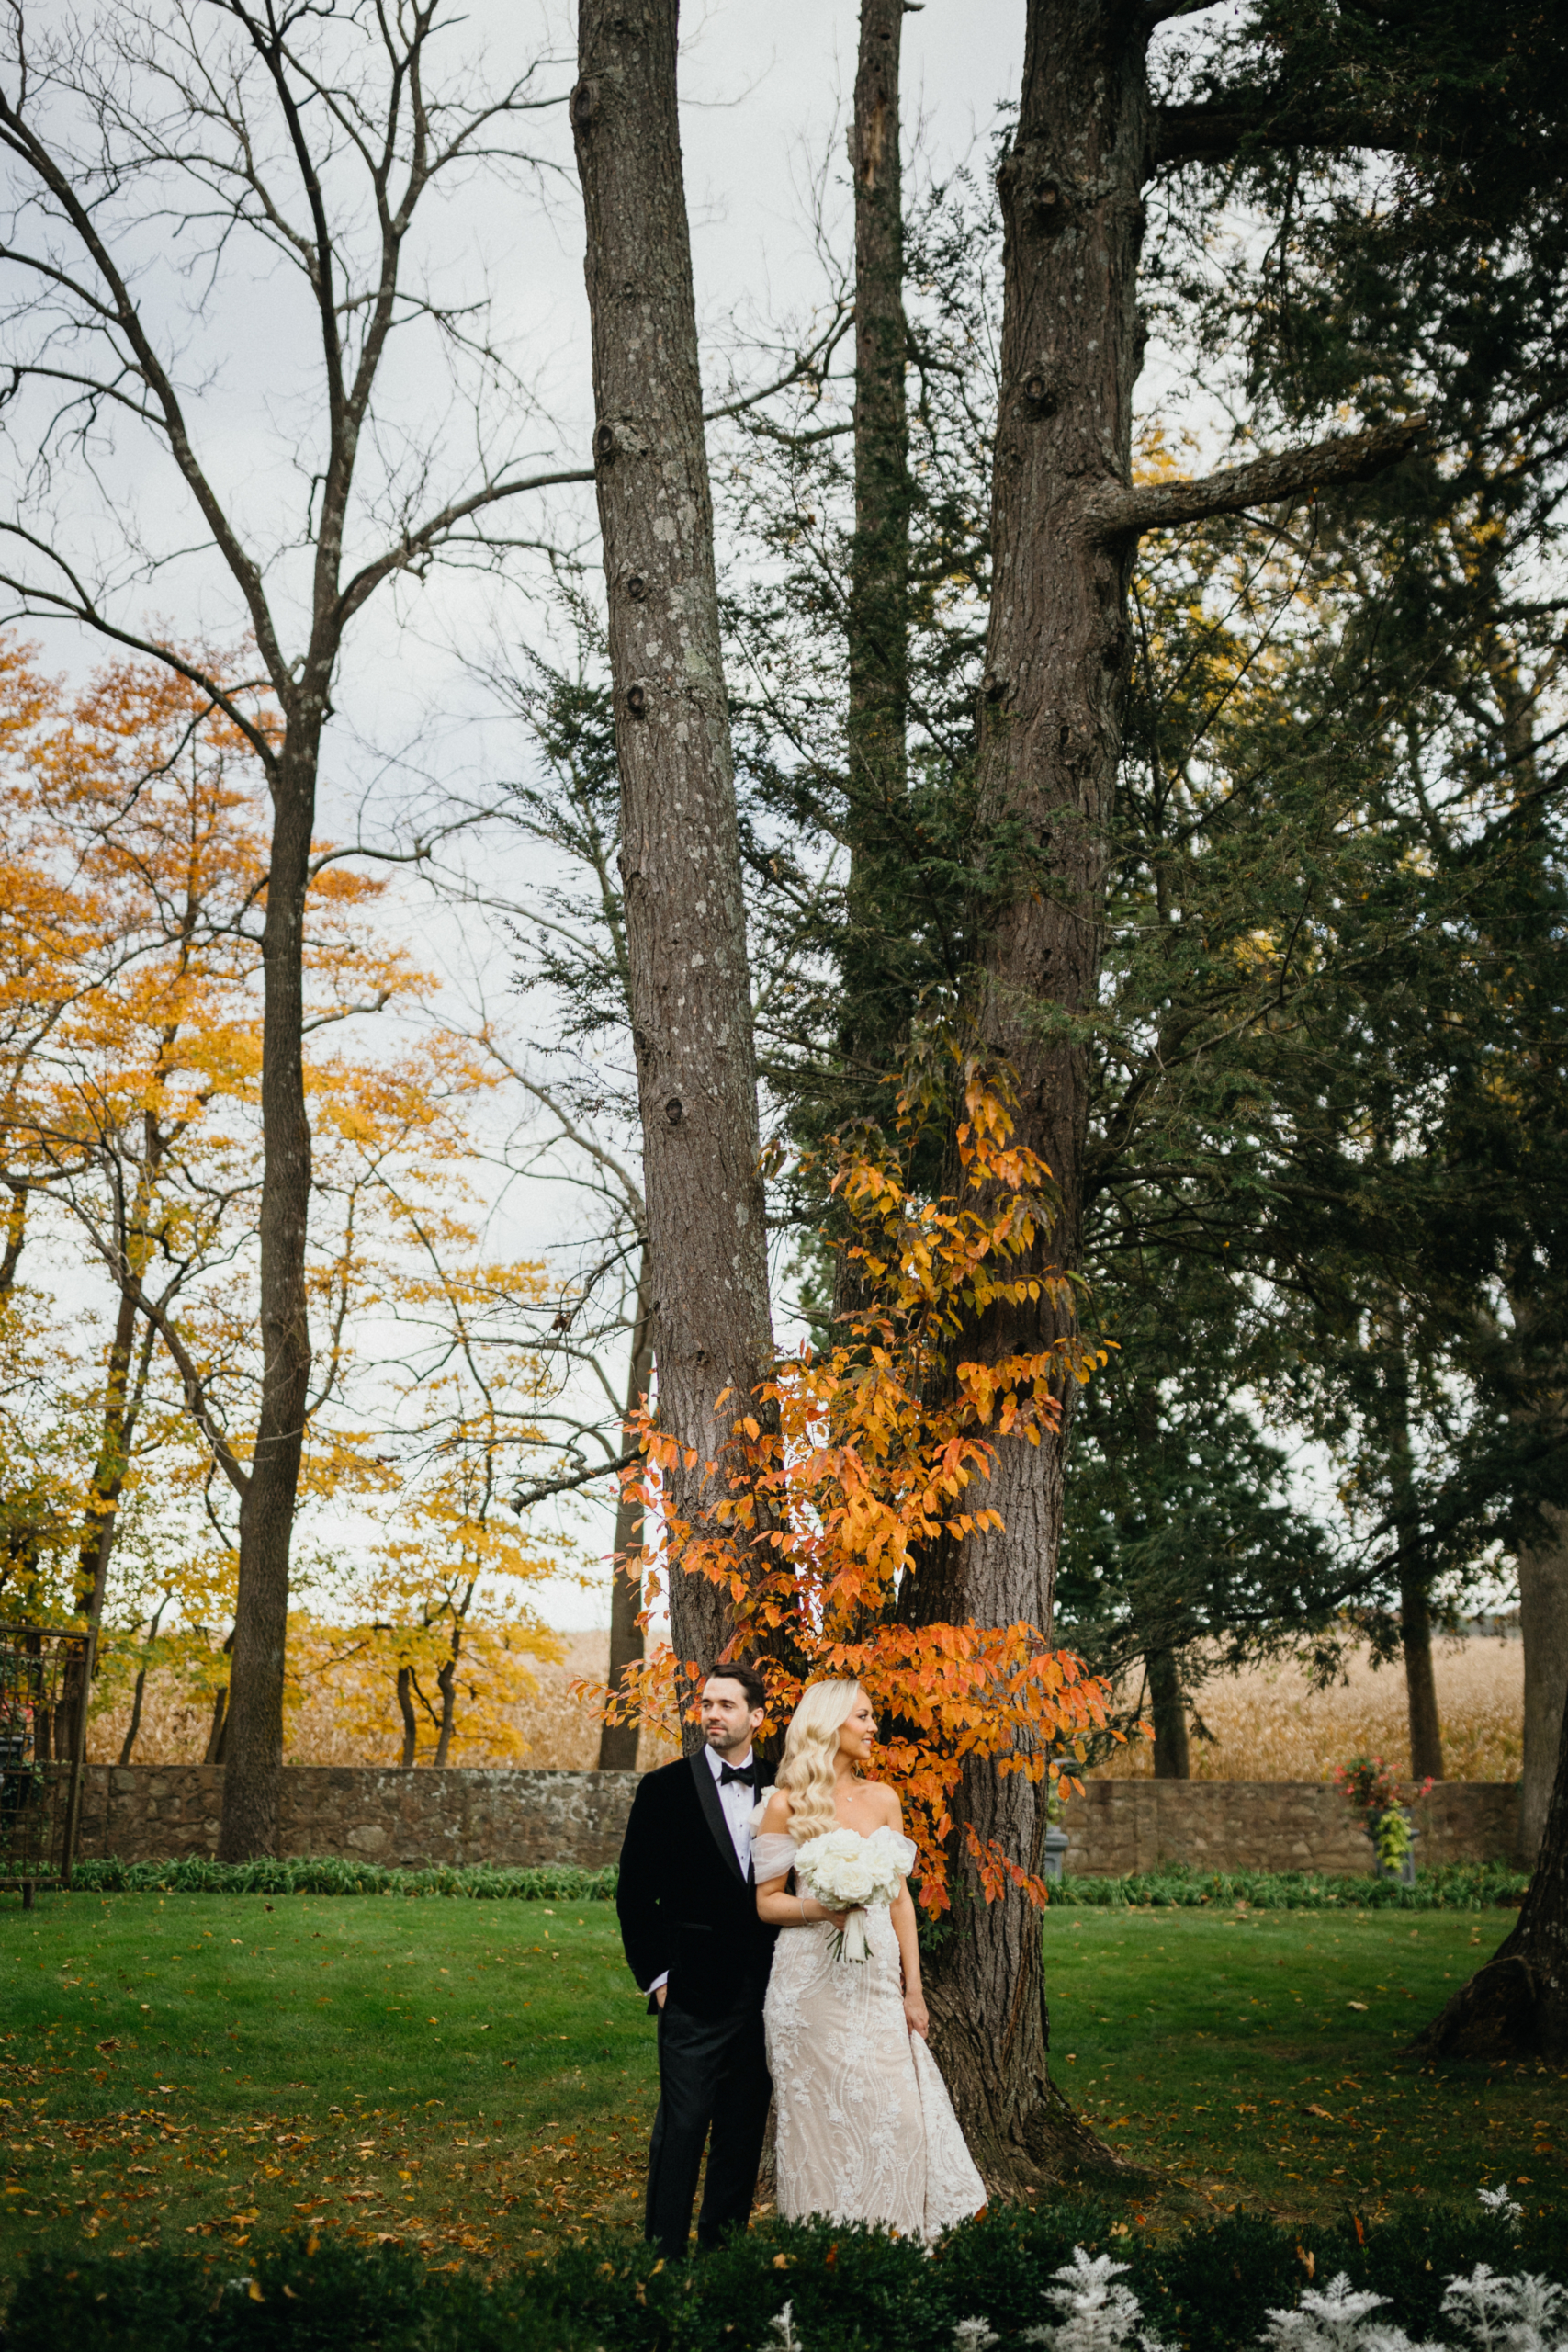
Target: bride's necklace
(852,1799)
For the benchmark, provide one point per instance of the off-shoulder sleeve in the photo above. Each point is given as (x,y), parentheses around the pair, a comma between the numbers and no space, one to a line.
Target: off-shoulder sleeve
(908,1852)
(773,1855)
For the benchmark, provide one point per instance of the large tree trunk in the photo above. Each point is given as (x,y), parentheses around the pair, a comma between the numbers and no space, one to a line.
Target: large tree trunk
(1420,1680)
(1414,1589)
(410,1721)
(618,1742)
(254,1733)
(1516,2005)
(1168,1707)
(685,914)
(1056,660)
(1055,663)
(877,611)
(871,1033)
(1414,1601)
(1543,1625)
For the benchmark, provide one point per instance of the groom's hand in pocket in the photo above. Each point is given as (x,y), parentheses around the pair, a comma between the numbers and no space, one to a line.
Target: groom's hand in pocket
(915,2016)
(660,1992)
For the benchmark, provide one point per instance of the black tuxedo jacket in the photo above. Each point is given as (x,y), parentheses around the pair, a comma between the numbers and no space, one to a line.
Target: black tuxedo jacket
(684,1903)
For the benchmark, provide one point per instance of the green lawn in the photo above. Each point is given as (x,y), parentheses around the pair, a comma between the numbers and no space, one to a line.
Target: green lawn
(1260,2056)
(471,2076)
(477,2078)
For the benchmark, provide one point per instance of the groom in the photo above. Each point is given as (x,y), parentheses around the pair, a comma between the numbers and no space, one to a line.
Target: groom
(688,1911)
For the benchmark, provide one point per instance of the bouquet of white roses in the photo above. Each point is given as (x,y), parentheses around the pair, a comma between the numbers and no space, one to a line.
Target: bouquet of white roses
(845,1871)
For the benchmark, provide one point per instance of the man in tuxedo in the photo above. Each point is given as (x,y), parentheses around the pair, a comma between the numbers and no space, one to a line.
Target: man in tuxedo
(688,1912)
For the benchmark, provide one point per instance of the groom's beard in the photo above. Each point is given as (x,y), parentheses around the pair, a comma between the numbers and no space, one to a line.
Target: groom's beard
(725,1743)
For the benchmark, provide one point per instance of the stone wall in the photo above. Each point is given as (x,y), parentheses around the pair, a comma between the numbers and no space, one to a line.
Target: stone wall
(151,1812)
(1117,1826)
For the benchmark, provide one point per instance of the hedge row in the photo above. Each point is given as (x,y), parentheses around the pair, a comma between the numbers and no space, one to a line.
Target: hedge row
(1456,1886)
(1452,1886)
(849,2289)
(327,1874)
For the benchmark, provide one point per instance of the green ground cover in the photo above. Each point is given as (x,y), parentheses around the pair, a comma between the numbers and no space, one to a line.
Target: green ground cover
(1259,2056)
(475,2081)
(466,2076)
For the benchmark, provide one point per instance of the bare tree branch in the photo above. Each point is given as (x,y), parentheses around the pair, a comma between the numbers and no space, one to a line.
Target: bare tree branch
(526,1496)
(1292,473)
(1217,131)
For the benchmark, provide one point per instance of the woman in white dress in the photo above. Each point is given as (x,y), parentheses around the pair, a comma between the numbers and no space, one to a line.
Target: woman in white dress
(865,2130)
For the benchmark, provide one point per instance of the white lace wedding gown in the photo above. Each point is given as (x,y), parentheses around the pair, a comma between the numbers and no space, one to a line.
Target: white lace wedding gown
(865,2130)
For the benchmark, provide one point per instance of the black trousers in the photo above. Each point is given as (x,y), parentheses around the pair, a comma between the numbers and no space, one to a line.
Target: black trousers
(713,2075)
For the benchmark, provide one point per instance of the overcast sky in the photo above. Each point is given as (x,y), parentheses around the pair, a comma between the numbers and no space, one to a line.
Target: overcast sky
(765,94)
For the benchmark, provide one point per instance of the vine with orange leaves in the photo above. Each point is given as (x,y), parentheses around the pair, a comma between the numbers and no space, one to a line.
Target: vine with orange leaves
(860,1453)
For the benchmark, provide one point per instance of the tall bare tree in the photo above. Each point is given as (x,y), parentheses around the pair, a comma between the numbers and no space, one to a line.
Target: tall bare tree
(1066,519)
(680,857)
(308,141)
(876,616)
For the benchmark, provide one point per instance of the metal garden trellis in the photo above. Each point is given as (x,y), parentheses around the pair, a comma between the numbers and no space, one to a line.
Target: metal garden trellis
(45,1673)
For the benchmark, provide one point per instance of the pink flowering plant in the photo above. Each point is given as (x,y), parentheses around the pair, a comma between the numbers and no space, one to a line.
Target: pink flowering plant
(1369,1787)
(1368,1784)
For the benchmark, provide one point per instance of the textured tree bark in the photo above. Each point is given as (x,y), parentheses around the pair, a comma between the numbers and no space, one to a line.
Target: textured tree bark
(1167,1705)
(1055,661)
(410,1721)
(872,1034)
(1420,1682)
(253,1735)
(1543,1626)
(618,1742)
(680,855)
(1415,1604)
(446,1683)
(1516,2005)
(1065,521)
(878,630)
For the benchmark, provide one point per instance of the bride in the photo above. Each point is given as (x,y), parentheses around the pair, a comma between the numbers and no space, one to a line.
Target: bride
(865,2130)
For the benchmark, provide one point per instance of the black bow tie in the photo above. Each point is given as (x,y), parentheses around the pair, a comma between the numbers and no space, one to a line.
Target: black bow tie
(747,1772)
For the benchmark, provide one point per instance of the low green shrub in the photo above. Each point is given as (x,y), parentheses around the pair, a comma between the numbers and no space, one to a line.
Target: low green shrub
(332,2301)
(330,1874)
(1455,1886)
(848,2289)
(1452,1886)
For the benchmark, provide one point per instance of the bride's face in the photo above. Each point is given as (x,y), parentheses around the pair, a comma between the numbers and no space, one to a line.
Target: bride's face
(857,1735)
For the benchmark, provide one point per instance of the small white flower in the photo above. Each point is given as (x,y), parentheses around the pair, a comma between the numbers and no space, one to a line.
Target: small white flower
(974,2335)
(1500,2200)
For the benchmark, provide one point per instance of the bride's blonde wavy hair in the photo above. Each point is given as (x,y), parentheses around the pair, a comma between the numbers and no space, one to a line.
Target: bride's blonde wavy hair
(810,1764)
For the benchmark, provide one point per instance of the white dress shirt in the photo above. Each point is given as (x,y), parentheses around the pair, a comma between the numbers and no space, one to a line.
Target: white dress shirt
(739,1802)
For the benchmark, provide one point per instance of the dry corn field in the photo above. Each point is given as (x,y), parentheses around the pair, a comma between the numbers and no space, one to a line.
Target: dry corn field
(1268,1725)
(546,1727)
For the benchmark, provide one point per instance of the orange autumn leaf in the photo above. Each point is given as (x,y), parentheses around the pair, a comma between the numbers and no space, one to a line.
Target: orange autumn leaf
(867,1452)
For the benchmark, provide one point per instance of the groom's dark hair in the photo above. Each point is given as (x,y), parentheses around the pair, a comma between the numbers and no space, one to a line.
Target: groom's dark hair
(751,1682)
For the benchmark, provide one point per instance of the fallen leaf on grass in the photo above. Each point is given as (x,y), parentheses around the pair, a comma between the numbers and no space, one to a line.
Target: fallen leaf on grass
(1355,2005)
